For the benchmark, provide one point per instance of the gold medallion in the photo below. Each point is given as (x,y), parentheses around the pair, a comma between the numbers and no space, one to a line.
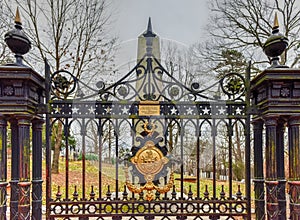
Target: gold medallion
(149,161)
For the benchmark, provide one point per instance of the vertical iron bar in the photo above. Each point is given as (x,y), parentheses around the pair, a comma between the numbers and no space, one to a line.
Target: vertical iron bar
(15,172)
(181,159)
(248,139)
(66,135)
(133,135)
(37,180)
(48,137)
(214,134)
(259,170)
(83,133)
(230,133)
(3,167)
(116,133)
(165,135)
(198,162)
(100,158)
(198,159)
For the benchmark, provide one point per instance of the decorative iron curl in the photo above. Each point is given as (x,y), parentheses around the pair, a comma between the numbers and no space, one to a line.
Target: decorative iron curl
(233,85)
(63,84)
(161,85)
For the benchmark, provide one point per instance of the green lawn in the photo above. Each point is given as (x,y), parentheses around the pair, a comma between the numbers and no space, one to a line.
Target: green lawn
(109,179)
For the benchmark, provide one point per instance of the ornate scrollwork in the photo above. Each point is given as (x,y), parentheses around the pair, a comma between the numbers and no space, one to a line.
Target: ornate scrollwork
(149,161)
(63,84)
(233,85)
(156,83)
(149,127)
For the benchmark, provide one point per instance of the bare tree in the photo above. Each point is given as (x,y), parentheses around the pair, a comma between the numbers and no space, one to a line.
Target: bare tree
(5,21)
(72,35)
(182,64)
(244,25)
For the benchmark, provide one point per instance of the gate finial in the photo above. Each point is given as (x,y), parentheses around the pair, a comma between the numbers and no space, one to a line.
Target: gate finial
(275,45)
(17,41)
(276,23)
(18,18)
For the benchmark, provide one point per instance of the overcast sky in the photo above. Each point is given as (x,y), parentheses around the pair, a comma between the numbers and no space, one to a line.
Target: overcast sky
(181,21)
(177,19)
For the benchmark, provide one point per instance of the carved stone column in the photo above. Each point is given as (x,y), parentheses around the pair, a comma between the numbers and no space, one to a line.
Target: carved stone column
(24,167)
(258,171)
(3,167)
(294,167)
(37,181)
(271,168)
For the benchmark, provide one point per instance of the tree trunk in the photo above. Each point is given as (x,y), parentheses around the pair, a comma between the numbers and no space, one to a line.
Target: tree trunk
(238,156)
(57,146)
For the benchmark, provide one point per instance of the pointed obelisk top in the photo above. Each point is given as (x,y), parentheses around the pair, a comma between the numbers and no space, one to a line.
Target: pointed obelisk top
(149,31)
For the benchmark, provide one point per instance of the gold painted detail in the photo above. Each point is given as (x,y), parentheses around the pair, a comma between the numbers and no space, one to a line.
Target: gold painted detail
(18,17)
(149,127)
(148,108)
(276,23)
(149,161)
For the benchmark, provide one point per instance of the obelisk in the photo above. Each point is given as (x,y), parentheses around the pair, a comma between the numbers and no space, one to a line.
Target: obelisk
(149,46)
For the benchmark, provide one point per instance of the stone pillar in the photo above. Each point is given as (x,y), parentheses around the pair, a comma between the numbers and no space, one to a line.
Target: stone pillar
(280,170)
(24,167)
(14,189)
(271,168)
(294,167)
(3,167)
(258,170)
(37,180)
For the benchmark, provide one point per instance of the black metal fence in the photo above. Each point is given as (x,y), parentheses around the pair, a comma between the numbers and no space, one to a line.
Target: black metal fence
(151,138)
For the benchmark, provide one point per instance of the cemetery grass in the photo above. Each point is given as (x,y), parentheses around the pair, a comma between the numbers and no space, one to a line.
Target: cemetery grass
(109,179)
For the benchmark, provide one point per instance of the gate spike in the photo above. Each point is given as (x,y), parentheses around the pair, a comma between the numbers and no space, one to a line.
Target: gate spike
(173,193)
(206,193)
(157,195)
(92,194)
(58,194)
(141,196)
(222,193)
(75,194)
(190,194)
(108,194)
(125,194)
(239,193)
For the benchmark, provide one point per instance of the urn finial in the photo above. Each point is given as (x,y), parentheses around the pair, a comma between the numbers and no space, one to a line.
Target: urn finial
(275,45)
(17,41)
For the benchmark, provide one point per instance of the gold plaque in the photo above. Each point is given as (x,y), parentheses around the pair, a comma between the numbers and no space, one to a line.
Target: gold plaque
(148,108)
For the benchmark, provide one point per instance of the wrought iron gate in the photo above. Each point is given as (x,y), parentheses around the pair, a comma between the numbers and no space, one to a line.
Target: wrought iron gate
(163,150)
